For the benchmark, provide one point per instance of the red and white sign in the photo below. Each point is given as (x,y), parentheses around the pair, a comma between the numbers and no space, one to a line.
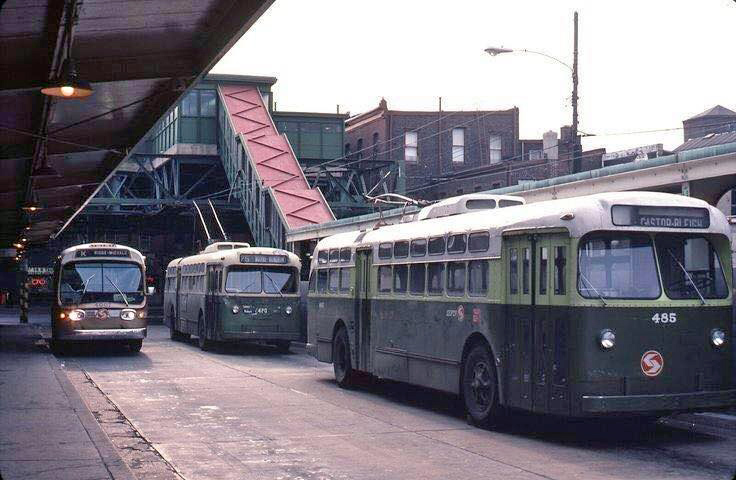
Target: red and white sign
(652,363)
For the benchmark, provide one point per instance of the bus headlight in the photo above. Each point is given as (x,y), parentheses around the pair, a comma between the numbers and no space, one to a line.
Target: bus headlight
(76,315)
(235,309)
(717,337)
(127,314)
(607,339)
(288,310)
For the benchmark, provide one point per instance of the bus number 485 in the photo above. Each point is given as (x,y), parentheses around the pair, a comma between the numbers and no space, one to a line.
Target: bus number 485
(665,317)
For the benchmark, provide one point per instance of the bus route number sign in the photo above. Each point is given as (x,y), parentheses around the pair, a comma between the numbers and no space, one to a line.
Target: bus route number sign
(254,258)
(102,252)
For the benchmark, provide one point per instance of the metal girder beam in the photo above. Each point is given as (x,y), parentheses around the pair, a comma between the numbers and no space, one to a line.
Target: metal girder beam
(104,201)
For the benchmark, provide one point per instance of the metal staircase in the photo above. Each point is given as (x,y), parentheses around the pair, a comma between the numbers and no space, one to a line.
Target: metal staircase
(263,172)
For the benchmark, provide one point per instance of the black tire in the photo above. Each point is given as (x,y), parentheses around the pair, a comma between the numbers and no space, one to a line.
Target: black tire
(204,343)
(341,364)
(135,345)
(58,347)
(282,345)
(479,386)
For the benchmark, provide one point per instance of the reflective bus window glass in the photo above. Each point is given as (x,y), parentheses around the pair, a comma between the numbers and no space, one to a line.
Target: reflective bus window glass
(543,262)
(401,273)
(243,280)
(384,279)
(560,270)
(385,250)
(417,274)
(513,272)
(436,278)
(437,246)
(525,271)
(617,266)
(280,279)
(345,279)
(478,278)
(419,247)
(456,243)
(322,257)
(345,255)
(401,249)
(456,279)
(334,279)
(313,282)
(478,242)
(334,256)
(322,280)
(84,282)
(690,265)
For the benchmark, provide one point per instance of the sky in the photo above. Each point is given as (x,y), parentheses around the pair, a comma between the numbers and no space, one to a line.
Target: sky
(643,64)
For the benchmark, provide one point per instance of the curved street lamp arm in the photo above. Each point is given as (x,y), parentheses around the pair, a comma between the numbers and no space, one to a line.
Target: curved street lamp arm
(545,55)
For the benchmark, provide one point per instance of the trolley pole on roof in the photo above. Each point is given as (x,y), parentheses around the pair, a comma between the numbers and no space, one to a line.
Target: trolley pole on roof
(217,219)
(204,225)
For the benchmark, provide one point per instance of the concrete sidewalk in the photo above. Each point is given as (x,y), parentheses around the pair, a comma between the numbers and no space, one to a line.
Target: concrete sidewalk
(46,430)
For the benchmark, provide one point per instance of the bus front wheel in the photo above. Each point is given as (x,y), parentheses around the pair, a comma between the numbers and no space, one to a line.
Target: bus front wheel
(204,343)
(479,386)
(135,345)
(344,373)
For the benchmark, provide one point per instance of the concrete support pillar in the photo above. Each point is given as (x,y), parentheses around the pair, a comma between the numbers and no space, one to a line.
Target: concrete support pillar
(685,189)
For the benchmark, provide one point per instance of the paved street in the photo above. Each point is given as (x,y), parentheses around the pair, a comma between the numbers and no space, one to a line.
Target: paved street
(248,412)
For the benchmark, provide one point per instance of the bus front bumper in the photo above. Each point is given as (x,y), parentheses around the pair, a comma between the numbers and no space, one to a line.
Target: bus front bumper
(103,334)
(659,403)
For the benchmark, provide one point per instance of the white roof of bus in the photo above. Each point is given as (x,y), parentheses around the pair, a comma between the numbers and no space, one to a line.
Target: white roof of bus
(68,254)
(591,213)
(233,256)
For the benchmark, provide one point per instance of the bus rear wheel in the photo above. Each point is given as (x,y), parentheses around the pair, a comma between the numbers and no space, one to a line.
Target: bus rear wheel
(344,373)
(204,343)
(479,386)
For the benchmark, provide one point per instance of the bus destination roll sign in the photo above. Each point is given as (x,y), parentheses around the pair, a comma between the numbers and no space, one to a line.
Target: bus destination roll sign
(102,252)
(660,217)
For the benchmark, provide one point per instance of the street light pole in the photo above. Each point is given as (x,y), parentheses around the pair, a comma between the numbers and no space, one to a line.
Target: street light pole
(576,150)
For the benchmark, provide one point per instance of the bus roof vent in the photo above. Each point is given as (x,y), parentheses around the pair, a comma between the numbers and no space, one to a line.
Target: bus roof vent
(219,246)
(467,203)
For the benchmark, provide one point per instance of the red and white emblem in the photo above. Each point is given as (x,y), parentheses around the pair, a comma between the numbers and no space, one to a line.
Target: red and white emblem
(102,314)
(461,313)
(652,363)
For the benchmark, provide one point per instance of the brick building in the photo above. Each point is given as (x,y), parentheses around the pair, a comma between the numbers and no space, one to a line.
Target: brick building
(448,153)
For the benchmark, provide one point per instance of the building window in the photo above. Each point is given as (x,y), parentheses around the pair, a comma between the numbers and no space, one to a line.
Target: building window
(410,147)
(458,145)
(347,150)
(495,148)
(359,149)
(375,145)
(207,103)
(495,185)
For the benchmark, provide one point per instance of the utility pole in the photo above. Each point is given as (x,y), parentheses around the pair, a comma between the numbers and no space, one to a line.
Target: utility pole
(576,148)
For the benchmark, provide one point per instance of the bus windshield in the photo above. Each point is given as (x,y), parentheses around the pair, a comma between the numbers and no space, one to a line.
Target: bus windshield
(89,282)
(618,266)
(690,268)
(261,279)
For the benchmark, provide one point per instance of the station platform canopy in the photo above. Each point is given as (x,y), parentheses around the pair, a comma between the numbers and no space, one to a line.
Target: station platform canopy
(139,58)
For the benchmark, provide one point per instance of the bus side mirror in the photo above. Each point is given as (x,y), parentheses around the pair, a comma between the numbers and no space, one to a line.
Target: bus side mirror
(150,290)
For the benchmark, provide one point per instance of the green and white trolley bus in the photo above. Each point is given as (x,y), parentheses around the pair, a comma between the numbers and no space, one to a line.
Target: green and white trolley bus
(99,295)
(234,292)
(611,304)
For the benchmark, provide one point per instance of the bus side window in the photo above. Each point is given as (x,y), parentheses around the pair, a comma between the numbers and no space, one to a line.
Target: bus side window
(334,278)
(543,261)
(478,278)
(401,273)
(384,279)
(526,265)
(456,279)
(436,278)
(344,280)
(513,272)
(322,280)
(312,281)
(417,276)
(560,262)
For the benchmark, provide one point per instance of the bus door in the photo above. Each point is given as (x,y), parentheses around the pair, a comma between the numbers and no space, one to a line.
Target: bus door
(211,296)
(177,313)
(543,325)
(362,309)
(519,320)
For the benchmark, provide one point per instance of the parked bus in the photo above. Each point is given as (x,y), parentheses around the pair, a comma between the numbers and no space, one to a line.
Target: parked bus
(234,292)
(610,304)
(99,290)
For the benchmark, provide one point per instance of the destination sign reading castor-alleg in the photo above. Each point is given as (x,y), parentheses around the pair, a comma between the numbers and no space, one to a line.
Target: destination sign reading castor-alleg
(671,221)
(102,252)
(660,217)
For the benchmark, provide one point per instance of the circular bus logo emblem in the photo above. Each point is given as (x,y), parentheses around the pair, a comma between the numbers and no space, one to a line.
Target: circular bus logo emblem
(652,363)
(102,314)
